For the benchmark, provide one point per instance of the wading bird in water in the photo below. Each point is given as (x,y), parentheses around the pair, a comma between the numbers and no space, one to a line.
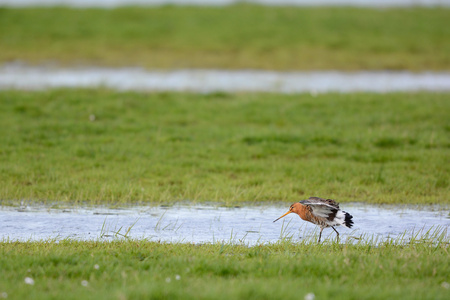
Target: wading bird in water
(322,212)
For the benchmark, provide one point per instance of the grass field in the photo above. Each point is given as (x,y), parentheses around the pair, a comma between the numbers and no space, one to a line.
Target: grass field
(100,147)
(105,147)
(141,269)
(234,37)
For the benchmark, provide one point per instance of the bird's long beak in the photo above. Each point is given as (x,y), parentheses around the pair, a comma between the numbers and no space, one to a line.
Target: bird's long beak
(283,216)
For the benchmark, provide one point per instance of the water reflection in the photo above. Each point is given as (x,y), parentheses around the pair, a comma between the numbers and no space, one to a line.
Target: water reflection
(208,224)
(206,81)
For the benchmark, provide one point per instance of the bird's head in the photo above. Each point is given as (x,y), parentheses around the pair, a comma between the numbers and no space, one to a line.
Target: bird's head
(294,208)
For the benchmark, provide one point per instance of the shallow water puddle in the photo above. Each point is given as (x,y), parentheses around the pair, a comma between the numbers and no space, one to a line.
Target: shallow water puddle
(208,224)
(207,81)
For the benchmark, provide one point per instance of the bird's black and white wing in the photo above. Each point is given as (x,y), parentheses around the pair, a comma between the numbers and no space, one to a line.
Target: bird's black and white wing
(322,208)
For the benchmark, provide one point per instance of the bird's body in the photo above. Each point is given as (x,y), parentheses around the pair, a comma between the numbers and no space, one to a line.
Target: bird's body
(322,212)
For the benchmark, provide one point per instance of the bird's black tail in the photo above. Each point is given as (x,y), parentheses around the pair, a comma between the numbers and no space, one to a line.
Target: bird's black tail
(348,222)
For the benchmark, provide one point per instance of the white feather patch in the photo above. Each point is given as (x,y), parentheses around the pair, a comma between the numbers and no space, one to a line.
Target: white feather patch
(321,210)
(340,218)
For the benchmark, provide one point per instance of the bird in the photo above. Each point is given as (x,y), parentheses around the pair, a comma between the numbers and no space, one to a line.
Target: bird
(322,212)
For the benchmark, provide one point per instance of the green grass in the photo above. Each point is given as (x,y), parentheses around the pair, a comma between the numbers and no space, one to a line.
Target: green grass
(142,269)
(223,148)
(235,37)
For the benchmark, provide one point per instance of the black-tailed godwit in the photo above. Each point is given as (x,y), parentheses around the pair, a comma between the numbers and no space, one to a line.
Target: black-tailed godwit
(322,212)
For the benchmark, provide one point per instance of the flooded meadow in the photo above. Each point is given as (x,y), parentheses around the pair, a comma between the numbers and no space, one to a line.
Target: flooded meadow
(16,76)
(249,225)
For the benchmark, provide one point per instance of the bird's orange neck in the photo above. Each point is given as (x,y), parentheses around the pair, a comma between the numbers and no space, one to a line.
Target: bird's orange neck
(300,210)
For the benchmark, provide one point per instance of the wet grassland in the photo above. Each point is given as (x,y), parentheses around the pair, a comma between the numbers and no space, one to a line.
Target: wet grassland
(104,147)
(100,147)
(128,269)
(230,37)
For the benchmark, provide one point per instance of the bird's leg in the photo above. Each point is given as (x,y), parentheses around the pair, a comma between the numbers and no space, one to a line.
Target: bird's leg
(320,234)
(336,232)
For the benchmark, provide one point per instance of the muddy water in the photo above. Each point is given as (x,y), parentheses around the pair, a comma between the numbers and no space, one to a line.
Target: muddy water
(114,3)
(207,224)
(205,81)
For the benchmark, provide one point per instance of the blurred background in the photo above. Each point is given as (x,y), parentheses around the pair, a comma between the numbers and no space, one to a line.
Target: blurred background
(371,35)
(210,137)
